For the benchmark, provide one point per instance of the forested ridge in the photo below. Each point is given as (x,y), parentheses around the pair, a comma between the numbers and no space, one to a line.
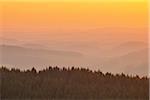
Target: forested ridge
(73,83)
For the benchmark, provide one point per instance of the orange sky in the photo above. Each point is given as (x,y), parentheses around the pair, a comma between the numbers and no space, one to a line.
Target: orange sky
(94,28)
(21,19)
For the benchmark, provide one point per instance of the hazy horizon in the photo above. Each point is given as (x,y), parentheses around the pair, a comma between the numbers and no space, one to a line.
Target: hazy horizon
(110,36)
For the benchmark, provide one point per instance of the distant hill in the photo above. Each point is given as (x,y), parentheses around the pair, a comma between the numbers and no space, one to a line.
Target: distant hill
(126,48)
(135,62)
(12,54)
(28,51)
(130,57)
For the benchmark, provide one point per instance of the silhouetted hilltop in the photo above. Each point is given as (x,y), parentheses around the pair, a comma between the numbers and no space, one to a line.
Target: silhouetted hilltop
(73,83)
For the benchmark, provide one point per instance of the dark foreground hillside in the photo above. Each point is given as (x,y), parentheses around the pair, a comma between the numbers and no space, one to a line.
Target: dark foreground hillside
(71,84)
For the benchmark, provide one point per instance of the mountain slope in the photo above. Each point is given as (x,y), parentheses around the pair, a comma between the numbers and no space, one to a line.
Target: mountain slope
(134,62)
(15,55)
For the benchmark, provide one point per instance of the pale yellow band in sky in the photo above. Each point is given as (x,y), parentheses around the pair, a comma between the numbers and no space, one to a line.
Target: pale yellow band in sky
(74,0)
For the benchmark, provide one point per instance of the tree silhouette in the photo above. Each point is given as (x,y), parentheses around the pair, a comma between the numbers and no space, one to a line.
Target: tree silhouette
(73,83)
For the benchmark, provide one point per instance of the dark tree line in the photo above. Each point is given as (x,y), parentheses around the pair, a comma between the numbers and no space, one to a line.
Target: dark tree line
(54,83)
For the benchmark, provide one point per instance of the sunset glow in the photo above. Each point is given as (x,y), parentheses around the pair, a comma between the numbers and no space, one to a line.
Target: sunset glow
(76,0)
(74,49)
(89,27)
(35,18)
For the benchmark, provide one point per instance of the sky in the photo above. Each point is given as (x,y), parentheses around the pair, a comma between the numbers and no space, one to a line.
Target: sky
(79,0)
(22,19)
(77,25)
